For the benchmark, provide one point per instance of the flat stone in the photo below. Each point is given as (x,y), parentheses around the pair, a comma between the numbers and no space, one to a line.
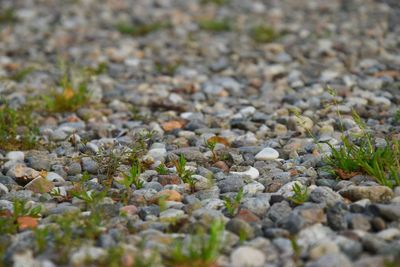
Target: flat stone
(389,212)
(374,193)
(326,195)
(54,177)
(252,172)
(267,153)
(247,256)
(40,185)
(15,155)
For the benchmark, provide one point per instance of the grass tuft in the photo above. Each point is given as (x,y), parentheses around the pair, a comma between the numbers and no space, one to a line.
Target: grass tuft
(215,25)
(263,34)
(202,250)
(17,128)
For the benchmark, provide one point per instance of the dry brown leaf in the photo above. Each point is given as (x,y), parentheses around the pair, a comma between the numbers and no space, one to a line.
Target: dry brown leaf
(345,175)
(25,222)
(218,139)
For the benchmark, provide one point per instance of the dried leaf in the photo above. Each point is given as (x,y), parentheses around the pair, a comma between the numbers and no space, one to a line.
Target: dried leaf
(25,222)
(218,139)
(345,175)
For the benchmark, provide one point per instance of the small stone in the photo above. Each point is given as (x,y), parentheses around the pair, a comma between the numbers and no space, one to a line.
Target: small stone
(171,214)
(15,155)
(359,222)
(240,228)
(158,154)
(231,183)
(279,211)
(169,195)
(169,179)
(247,216)
(336,216)
(54,177)
(257,205)
(378,224)
(40,185)
(129,210)
(201,183)
(251,172)
(21,174)
(38,160)
(389,234)
(267,153)
(389,212)
(323,249)
(222,165)
(63,209)
(331,260)
(325,195)
(74,168)
(374,193)
(247,256)
(90,165)
(253,188)
(86,253)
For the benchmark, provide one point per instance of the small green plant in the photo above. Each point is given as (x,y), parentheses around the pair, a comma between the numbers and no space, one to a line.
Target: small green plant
(133,177)
(362,156)
(202,250)
(72,92)
(232,204)
(300,194)
(41,236)
(396,117)
(162,202)
(211,144)
(140,30)
(20,75)
(215,2)
(17,128)
(162,169)
(90,197)
(167,68)
(100,69)
(22,209)
(263,34)
(7,16)
(9,221)
(214,25)
(69,99)
(185,175)
(296,251)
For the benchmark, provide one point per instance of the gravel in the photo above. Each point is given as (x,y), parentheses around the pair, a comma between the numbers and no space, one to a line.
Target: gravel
(171,87)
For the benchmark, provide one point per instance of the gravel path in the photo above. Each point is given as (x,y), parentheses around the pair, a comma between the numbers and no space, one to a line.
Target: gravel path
(197,133)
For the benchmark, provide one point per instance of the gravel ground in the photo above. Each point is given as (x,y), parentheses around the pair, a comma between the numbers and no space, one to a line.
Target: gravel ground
(251,94)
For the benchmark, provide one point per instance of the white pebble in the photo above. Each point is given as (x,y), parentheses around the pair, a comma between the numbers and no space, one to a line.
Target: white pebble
(253,173)
(267,153)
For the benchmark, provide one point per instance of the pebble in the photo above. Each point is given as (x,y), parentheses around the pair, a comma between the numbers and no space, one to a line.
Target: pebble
(247,256)
(15,156)
(40,185)
(374,193)
(252,172)
(267,154)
